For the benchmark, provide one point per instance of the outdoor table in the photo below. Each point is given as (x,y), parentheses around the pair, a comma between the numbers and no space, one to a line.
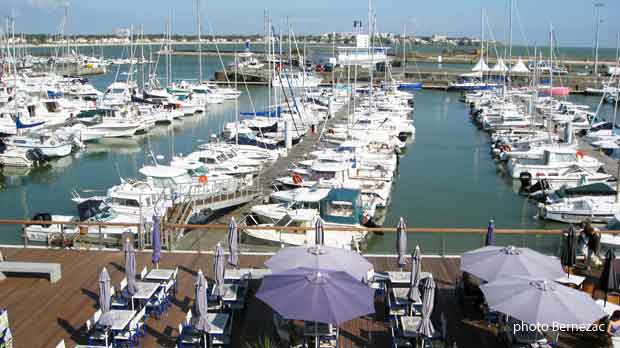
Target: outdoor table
(403,278)
(159,275)
(230,293)
(609,308)
(401,299)
(574,280)
(144,291)
(121,318)
(409,325)
(316,329)
(217,323)
(246,273)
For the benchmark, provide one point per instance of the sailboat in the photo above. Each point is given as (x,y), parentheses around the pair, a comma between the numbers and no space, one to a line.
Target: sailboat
(407,85)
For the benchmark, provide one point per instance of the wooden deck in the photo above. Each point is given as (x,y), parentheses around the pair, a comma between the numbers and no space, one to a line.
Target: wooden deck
(41,313)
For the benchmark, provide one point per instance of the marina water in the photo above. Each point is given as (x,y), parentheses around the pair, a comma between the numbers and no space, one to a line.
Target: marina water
(447,177)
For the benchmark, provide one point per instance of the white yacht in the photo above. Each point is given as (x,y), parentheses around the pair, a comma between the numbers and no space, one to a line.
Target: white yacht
(552,164)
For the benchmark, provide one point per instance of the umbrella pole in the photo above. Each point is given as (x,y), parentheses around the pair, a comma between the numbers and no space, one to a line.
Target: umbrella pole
(204,339)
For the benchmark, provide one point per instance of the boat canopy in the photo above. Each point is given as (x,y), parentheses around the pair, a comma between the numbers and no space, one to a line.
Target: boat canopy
(342,206)
(596,189)
(91,208)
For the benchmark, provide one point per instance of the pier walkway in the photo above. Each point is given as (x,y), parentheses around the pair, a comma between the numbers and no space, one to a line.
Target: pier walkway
(59,311)
(264,186)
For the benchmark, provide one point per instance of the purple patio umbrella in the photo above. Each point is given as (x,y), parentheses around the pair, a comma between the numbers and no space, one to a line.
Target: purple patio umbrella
(156,240)
(218,271)
(544,302)
(492,262)
(233,243)
(104,299)
(414,279)
(201,323)
(401,243)
(490,237)
(319,233)
(610,279)
(316,295)
(130,267)
(324,257)
(428,302)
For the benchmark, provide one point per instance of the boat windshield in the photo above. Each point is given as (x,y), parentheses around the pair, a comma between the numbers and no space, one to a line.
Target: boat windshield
(339,208)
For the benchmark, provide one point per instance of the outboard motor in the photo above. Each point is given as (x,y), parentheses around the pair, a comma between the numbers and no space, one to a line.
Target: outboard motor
(2,146)
(42,217)
(36,155)
(526,181)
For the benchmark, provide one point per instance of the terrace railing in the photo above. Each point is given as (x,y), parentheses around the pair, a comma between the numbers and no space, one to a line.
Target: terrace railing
(432,241)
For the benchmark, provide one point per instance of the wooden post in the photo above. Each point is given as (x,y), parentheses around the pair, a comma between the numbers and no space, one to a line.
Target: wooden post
(100,237)
(2,276)
(25,236)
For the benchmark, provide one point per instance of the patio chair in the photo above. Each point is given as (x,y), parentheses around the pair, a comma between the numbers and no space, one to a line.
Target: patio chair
(143,273)
(129,336)
(188,337)
(175,277)
(157,305)
(118,302)
(96,336)
(141,322)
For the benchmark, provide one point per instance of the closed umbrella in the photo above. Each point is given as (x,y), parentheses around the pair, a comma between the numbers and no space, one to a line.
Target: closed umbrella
(201,323)
(414,280)
(328,258)
(130,267)
(569,251)
(492,262)
(319,234)
(104,299)
(609,280)
(322,296)
(401,243)
(218,271)
(543,302)
(156,240)
(490,237)
(233,243)
(428,302)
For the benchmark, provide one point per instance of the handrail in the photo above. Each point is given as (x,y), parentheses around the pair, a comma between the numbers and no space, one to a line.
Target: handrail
(299,228)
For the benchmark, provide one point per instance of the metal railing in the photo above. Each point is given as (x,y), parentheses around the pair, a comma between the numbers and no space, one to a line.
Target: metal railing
(432,241)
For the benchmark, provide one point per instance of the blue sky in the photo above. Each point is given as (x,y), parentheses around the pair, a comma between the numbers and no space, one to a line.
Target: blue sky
(572,19)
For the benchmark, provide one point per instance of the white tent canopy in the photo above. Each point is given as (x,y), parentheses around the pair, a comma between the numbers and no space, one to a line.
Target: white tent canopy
(500,66)
(520,67)
(480,66)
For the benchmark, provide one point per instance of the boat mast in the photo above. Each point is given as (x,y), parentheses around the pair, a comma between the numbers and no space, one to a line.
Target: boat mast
(482,43)
(597,8)
(510,43)
(404,48)
(199,27)
(371,68)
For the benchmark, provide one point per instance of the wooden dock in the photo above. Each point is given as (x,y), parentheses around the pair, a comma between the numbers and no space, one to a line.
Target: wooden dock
(41,314)
(190,241)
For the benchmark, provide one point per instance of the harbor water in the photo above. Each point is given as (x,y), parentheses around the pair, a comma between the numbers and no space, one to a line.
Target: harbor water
(447,177)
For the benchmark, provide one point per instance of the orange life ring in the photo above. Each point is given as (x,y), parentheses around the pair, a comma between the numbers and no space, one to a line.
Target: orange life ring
(297,179)
(203,179)
(330,131)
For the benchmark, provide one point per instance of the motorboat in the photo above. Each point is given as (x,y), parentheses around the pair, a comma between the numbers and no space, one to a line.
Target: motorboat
(340,208)
(575,210)
(49,145)
(552,164)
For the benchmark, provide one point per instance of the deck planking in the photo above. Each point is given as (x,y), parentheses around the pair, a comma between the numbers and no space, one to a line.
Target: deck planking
(41,313)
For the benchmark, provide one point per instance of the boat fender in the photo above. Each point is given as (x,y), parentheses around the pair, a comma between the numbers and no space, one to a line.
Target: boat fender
(579,155)
(297,179)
